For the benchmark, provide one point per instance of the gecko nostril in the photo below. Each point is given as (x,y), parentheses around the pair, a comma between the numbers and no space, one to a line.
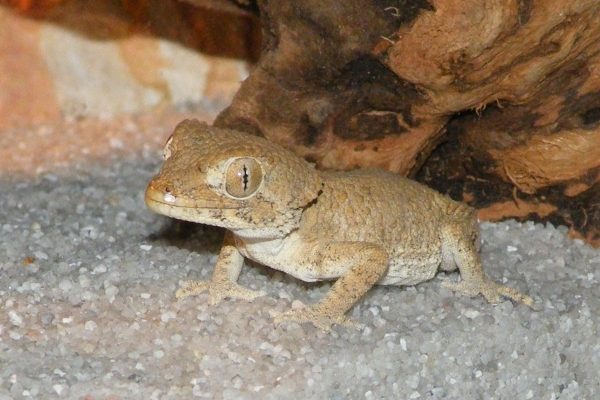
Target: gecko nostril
(167,189)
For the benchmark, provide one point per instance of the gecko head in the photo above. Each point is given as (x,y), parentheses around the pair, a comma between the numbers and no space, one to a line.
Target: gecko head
(232,179)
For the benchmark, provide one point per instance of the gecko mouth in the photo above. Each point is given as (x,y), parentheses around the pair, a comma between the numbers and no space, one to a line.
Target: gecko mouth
(155,197)
(161,203)
(203,211)
(207,211)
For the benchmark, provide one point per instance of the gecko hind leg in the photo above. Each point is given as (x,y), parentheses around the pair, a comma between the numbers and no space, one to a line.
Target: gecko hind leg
(459,242)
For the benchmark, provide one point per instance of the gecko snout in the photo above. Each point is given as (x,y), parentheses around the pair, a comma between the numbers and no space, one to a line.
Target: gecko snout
(158,190)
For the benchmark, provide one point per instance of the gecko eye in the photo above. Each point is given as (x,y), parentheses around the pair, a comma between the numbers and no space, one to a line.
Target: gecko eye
(243,177)
(167,149)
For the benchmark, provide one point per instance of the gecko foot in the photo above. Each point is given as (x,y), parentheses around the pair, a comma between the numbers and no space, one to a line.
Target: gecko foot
(316,317)
(217,292)
(492,291)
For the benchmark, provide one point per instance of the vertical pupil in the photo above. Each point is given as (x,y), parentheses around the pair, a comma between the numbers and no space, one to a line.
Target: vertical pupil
(245,178)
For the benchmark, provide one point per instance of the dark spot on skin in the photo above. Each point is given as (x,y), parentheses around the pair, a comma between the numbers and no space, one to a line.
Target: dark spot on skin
(315,200)
(216,214)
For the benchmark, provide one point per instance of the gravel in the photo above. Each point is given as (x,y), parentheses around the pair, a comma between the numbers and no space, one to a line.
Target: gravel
(88,309)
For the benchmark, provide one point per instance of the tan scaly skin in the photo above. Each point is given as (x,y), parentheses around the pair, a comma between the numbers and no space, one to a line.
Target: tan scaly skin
(358,228)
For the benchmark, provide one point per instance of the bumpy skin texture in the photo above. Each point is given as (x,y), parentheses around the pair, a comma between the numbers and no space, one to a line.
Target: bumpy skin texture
(360,228)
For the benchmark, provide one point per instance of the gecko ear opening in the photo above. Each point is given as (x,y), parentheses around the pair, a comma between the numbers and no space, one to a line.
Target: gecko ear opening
(243,177)
(168,148)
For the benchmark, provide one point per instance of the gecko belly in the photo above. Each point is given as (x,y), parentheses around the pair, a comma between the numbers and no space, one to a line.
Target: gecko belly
(410,272)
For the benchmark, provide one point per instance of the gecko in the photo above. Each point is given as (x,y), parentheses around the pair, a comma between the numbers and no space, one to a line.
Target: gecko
(358,229)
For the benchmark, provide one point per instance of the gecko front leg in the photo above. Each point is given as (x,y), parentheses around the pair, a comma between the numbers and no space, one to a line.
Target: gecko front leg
(365,264)
(223,283)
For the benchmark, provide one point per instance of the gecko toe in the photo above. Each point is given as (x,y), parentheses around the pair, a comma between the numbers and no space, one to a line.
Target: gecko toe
(191,288)
(217,292)
(492,291)
(514,295)
(320,320)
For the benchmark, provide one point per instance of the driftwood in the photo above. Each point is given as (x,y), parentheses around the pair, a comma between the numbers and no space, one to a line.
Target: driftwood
(513,87)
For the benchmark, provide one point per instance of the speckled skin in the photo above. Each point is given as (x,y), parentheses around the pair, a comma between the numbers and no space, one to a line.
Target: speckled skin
(360,228)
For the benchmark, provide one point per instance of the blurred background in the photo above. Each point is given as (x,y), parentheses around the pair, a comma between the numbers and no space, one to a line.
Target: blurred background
(85,80)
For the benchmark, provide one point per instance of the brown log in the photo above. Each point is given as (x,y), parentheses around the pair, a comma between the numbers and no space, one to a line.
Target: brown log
(363,84)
